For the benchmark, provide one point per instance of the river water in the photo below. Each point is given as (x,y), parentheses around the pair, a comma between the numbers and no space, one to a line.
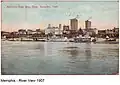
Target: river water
(59,58)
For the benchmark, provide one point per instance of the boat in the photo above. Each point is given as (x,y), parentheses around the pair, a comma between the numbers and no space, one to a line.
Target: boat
(71,39)
(107,40)
(83,39)
(57,40)
(110,39)
(93,39)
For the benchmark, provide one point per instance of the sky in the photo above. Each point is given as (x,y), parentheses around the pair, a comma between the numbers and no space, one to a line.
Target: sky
(104,14)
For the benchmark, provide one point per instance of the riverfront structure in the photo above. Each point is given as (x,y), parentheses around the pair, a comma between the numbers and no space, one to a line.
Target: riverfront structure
(74,24)
(87,24)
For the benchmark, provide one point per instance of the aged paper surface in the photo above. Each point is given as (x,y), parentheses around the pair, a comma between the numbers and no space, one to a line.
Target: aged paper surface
(61,37)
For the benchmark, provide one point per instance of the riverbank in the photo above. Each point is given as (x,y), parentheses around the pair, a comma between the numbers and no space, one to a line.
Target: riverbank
(99,40)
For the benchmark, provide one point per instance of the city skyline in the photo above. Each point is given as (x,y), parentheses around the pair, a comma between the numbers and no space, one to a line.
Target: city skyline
(104,15)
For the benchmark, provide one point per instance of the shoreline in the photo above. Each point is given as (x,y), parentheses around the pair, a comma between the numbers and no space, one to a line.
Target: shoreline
(98,42)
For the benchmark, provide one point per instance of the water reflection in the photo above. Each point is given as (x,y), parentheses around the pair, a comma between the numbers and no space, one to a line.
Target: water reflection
(58,58)
(48,48)
(88,50)
(72,51)
(78,57)
(88,55)
(39,46)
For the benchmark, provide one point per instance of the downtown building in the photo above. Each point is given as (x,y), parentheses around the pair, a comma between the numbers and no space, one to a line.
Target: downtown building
(74,24)
(112,33)
(73,28)
(89,30)
(87,24)
(53,30)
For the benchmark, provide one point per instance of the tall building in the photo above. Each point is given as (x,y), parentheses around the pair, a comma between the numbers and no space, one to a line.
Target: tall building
(60,26)
(87,24)
(59,29)
(74,24)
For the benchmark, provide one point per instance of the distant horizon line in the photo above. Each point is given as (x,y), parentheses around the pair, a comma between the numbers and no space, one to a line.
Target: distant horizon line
(44,29)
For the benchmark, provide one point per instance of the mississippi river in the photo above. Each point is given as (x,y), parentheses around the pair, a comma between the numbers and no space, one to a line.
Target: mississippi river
(59,58)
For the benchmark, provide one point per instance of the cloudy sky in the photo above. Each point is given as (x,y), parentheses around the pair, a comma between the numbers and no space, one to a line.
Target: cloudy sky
(104,14)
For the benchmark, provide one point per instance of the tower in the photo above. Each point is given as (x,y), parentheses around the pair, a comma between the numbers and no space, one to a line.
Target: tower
(74,24)
(87,24)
